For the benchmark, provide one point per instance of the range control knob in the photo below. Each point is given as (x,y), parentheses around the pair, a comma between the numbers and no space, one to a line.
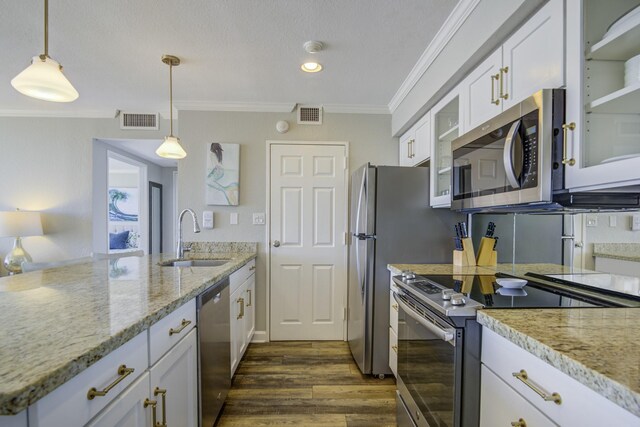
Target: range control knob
(458,299)
(446,294)
(408,274)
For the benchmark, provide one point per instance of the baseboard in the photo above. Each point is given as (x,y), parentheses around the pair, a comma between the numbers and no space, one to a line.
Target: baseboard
(259,336)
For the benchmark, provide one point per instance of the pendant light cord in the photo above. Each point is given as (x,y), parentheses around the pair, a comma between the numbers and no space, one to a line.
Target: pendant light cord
(46,28)
(170,99)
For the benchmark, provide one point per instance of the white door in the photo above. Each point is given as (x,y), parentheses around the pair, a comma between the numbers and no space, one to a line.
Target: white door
(127,410)
(308,225)
(480,92)
(177,373)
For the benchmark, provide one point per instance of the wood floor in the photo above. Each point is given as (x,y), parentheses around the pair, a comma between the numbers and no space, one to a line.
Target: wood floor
(303,383)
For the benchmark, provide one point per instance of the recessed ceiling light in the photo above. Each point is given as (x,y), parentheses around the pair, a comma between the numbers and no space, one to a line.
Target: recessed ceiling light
(311,67)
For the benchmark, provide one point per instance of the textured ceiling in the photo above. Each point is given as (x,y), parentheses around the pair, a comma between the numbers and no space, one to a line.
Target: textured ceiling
(233,51)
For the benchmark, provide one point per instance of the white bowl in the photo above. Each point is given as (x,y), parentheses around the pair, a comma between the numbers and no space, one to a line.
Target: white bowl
(511,283)
(508,292)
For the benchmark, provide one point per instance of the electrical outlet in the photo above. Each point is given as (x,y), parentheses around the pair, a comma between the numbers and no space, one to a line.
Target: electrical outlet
(635,222)
(233,218)
(592,220)
(613,221)
(259,219)
(207,219)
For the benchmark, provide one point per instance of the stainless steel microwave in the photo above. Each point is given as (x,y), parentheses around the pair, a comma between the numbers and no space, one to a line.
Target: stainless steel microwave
(514,162)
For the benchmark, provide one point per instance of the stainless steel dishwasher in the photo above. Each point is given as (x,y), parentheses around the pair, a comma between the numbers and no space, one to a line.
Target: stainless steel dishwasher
(214,355)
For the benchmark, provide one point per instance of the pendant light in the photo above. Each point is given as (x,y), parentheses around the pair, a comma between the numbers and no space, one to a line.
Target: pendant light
(43,79)
(171,148)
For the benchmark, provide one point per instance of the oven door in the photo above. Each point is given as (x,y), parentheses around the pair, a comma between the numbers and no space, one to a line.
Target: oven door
(429,365)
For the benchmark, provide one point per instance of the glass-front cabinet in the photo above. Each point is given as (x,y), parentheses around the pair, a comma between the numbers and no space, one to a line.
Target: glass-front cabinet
(447,126)
(603,93)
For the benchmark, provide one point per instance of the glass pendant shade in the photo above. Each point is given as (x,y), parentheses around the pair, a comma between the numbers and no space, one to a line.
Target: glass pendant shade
(171,148)
(43,79)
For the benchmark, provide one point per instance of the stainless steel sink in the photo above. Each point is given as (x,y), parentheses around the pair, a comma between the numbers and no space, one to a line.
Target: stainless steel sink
(196,263)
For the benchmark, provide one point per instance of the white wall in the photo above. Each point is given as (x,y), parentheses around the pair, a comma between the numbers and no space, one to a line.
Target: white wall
(369,140)
(604,233)
(46,165)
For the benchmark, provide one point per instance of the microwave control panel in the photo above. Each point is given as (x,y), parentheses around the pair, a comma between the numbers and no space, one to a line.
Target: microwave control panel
(529,178)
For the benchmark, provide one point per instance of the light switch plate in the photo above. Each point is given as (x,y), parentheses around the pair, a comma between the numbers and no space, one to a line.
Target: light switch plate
(635,222)
(207,219)
(233,218)
(259,219)
(613,221)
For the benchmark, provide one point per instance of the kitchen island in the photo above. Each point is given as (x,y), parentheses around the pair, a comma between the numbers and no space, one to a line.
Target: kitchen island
(58,322)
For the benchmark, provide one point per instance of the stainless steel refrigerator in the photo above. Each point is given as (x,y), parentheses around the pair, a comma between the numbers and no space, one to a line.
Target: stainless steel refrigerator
(390,223)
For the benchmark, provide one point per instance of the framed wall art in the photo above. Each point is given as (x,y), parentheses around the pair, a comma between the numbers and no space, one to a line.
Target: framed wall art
(223,174)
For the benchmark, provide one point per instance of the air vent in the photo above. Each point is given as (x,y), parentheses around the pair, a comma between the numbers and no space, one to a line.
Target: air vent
(139,121)
(309,115)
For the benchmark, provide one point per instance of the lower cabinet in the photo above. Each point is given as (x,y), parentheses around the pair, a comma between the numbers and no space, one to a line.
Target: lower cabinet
(128,409)
(242,319)
(393,331)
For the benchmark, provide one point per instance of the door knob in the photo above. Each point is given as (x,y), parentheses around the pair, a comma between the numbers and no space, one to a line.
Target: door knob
(276,243)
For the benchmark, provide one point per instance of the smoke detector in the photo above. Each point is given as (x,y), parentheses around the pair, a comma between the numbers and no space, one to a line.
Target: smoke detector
(313,46)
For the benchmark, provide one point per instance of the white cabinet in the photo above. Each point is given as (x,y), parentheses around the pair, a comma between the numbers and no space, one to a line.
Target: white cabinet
(393,331)
(170,330)
(174,383)
(241,318)
(530,60)
(577,405)
(415,144)
(447,126)
(128,409)
(605,142)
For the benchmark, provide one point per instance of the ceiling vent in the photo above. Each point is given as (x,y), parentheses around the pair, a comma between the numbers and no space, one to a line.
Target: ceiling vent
(309,114)
(139,121)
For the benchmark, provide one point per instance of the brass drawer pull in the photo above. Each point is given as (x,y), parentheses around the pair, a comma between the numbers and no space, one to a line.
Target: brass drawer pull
(123,373)
(565,160)
(494,100)
(153,404)
(163,393)
(520,423)
(241,302)
(553,397)
(503,95)
(183,325)
(395,348)
(395,307)
(253,267)
(250,298)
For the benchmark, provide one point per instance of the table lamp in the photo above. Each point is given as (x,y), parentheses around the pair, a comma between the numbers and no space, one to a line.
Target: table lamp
(19,224)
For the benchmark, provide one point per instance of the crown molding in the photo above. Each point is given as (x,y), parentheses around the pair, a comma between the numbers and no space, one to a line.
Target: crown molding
(256,107)
(356,109)
(76,114)
(452,24)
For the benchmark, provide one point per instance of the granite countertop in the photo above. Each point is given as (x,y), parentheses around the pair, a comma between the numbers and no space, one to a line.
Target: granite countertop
(514,269)
(621,251)
(600,347)
(58,322)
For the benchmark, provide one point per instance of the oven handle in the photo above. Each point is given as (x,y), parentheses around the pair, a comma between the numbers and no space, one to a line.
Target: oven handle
(447,335)
(507,158)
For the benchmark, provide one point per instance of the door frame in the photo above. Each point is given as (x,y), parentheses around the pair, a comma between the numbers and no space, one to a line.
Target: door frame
(269,144)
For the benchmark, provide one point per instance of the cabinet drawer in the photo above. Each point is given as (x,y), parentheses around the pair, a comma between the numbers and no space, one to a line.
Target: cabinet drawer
(168,331)
(240,276)
(128,409)
(393,352)
(393,313)
(68,405)
(580,405)
(500,405)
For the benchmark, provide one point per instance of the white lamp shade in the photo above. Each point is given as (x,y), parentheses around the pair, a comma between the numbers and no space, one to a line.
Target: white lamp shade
(44,80)
(20,224)
(171,148)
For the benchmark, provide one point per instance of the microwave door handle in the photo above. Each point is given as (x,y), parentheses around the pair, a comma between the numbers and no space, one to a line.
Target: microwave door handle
(447,335)
(507,156)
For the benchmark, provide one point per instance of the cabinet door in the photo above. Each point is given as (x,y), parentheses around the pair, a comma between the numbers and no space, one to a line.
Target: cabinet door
(250,309)
(533,57)
(422,145)
(477,89)
(405,145)
(236,321)
(177,373)
(446,127)
(127,410)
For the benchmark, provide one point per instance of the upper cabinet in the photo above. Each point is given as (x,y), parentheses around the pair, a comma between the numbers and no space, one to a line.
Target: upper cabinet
(603,93)
(530,60)
(415,144)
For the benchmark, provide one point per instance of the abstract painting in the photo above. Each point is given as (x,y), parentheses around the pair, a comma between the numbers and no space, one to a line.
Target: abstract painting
(223,174)
(123,204)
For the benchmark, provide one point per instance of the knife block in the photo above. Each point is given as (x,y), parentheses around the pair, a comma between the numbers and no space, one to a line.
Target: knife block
(466,256)
(487,257)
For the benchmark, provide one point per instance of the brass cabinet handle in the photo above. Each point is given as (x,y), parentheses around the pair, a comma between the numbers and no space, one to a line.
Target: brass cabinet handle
(241,302)
(153,404)
(123,373)
(553,397)
(163,393)
(503,95)
(249,303)
(565,160)
(183,325)
(408,149)
(520,423)
(494,100)
(413,153)
(395,348)
(395,307)
(253,267)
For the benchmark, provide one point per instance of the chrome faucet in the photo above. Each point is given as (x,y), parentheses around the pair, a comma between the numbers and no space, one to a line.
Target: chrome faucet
(196,229)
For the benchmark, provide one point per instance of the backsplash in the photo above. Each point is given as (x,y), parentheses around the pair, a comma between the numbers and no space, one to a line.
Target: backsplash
(213,247)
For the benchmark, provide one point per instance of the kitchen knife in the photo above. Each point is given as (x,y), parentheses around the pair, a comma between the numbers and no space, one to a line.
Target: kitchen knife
(490,230)
(464,230)
(495,243)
